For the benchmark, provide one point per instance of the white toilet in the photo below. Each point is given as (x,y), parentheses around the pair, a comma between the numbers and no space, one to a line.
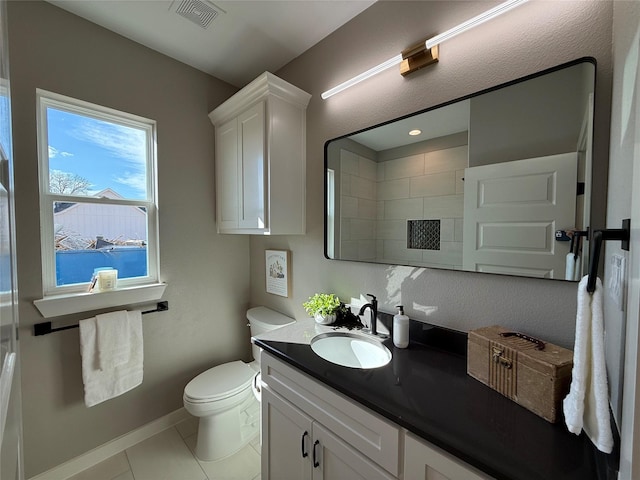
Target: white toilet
(224,397)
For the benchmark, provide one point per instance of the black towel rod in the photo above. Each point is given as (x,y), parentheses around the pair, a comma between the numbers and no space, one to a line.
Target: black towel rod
(45,328)
(623,234)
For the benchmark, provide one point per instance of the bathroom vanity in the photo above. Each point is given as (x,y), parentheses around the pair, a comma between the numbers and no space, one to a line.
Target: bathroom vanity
(419,416)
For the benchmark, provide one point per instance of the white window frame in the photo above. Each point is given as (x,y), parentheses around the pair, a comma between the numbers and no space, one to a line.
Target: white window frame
(47,99)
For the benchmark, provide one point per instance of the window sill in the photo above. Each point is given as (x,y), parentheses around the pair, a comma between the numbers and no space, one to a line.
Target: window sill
(57,305)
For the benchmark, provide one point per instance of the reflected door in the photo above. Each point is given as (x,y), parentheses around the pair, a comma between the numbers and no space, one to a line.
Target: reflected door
(511,213)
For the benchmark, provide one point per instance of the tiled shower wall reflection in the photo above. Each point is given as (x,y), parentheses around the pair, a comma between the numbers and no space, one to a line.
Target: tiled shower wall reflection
(377,199)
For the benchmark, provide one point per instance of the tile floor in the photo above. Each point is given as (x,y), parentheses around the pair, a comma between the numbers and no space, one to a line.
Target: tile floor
(169,456)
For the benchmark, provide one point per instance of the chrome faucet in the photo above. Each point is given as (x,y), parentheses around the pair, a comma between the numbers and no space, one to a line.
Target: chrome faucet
(373,305)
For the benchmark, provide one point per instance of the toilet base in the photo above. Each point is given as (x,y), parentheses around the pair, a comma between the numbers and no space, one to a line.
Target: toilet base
(226,433)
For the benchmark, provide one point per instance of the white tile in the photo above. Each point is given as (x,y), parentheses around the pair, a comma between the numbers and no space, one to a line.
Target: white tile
(348,207)
(244,465)
(439,207)
(363,188)
(348,162)
(106,470)
(446,160)
(368,169)
(409,208)
(397,250)
(380,210)
(433,185)
(367,250)
(380,172)
(406,167)
(362,229)
(447,229)
(392,230)
(458,229)
(345,229)
(164,456)
(349,250)
(345,184)
(393,189)
(367,209)
(188,427)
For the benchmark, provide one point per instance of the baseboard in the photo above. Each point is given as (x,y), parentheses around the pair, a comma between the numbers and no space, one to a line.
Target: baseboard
(109,449)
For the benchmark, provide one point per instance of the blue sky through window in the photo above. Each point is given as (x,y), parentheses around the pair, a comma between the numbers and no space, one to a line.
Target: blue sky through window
(107,154)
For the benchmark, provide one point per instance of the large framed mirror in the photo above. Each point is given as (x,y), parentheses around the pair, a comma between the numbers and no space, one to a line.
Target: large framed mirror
(497,182)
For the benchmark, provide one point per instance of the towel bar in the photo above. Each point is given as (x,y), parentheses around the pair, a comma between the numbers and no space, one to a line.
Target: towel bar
(45,328)
(623,234)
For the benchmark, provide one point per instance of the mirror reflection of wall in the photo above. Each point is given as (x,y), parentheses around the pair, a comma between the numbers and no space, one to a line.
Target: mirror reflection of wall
(483,186)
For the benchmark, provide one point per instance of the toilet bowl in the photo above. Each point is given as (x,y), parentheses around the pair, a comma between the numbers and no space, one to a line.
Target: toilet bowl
(225,398)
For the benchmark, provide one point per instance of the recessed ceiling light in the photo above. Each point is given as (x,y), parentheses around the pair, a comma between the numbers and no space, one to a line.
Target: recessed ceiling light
(415,132)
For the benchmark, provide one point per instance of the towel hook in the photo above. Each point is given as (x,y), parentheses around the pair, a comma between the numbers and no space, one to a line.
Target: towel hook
(623,234)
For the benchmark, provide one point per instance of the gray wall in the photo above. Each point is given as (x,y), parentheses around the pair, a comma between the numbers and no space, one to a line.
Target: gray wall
(207,274)
(535,36)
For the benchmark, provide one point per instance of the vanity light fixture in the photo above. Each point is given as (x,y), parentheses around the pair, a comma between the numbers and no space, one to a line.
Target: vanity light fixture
(392,62)
(424,53)
(473,22)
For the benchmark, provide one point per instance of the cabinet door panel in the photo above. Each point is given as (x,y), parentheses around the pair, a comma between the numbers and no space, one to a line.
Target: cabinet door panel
(252,163)
(227,194)
(286,439)
(336,460)
(428,462)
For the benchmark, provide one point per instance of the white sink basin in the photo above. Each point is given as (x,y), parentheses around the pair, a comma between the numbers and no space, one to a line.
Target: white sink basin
(350,350)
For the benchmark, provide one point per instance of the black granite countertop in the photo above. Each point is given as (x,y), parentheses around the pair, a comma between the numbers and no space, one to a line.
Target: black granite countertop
(425,389)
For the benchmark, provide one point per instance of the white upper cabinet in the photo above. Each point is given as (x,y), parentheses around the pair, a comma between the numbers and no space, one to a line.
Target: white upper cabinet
(261,159)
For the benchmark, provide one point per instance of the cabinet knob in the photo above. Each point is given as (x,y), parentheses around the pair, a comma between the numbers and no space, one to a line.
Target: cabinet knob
(316,463)
(302,445)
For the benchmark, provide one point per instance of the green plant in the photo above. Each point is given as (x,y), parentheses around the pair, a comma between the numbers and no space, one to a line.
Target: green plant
(322,304)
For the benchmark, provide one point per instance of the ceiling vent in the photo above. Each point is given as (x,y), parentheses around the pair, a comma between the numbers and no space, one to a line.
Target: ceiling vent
(200,12)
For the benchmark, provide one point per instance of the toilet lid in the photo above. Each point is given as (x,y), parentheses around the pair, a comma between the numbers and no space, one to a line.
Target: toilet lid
(220,382)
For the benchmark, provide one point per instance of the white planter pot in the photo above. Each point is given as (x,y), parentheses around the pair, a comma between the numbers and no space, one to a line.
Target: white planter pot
(325,319)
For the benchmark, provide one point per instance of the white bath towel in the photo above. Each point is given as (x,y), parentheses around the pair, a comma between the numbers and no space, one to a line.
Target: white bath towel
(101,385)
(113,336)
(586,407)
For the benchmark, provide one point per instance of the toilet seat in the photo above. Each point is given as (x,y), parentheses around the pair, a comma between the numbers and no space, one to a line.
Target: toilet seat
(220,382)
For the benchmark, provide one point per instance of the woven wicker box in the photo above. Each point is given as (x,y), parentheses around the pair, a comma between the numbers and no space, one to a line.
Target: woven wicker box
(532,373)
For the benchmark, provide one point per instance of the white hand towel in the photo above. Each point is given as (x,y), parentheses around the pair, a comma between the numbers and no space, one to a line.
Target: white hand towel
(113,335)
(576,269)
(101,385)
(587,404)
(570,266)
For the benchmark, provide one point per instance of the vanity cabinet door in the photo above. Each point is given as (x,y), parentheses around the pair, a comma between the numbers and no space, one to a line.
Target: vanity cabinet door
(240,172)
(251,132)
(227,169)
(428,462)
(286,440)
(335,459)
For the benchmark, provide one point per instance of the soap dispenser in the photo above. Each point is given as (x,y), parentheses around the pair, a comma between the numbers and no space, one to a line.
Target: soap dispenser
(400,328)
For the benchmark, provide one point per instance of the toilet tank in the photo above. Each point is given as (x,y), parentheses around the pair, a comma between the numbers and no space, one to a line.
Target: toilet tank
(263,319)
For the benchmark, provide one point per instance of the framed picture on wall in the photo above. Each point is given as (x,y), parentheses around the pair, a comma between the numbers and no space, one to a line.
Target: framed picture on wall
(278,272)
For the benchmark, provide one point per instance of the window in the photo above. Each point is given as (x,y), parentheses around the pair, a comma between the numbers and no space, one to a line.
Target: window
(98,203)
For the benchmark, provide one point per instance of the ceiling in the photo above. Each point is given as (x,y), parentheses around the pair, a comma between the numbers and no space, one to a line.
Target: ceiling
(243,38)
